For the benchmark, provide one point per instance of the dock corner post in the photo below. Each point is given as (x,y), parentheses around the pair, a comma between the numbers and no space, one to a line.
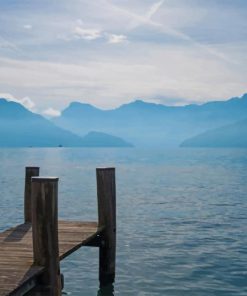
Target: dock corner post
(45,232)
(29,173)
(106,192)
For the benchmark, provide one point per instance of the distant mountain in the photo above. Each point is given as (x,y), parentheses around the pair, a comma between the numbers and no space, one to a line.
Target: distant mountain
(97,139)
(149,124)
(234,135)
(21,128)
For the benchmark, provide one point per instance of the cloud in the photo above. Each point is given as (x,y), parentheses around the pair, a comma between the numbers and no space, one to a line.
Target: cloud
(166,29)
(80,31)
(114,39)
(86,34)
(178,49)
(28,27)
(90,34)
(150,72)
(26,101)
(7,96)
(7,44)
(51,112)
(154,8)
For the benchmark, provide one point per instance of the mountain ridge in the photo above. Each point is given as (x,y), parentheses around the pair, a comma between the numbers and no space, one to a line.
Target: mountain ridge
(20,127)
(139,102)
(150,124)
(229,136)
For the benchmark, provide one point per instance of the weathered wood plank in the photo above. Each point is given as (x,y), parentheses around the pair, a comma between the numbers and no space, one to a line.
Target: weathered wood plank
(16,251)
(29,173)
(106,192)
(45,232)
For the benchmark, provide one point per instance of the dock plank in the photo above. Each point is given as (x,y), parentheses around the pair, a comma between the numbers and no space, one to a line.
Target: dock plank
(16,251)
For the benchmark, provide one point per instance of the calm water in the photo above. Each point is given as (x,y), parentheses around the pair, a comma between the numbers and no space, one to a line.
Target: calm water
(182,216)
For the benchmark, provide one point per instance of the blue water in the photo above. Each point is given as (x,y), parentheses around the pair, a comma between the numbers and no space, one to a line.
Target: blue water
(182,216)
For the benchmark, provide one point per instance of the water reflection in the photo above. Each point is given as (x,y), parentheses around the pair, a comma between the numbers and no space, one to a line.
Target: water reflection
(106,291)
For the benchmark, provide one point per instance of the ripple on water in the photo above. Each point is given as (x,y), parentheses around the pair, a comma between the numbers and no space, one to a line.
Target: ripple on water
(181,217)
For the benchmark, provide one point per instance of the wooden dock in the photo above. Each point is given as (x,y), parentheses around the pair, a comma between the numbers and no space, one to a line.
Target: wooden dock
(30,253)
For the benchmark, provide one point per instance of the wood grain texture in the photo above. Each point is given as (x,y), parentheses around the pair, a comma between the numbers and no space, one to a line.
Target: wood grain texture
(29,173)
(106,192)
(45,232)
(16,252)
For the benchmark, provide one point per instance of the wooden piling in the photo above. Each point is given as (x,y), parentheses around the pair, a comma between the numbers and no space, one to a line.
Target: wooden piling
(45,232)
(36,271)
(106,192)
(30,172)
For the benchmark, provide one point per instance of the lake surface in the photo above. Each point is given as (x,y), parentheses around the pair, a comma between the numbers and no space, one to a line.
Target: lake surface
(181,214)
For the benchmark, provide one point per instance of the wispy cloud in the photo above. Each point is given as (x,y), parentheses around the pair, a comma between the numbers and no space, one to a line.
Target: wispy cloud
(7,44)
(109,51)
(28,27)
(146,19)
(114,39)
(51,112)
(86,34)
(153,9)
(26,101)
(175,72)
(81,31)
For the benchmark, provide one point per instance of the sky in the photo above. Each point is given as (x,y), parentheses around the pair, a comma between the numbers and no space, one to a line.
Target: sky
(111,52)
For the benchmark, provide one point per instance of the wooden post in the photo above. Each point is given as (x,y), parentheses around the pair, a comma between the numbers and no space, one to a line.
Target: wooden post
(45,232)
(30,172)
(106,191)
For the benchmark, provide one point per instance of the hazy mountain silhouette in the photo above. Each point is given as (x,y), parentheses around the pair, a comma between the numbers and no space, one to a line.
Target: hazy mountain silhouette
(21,128)
(234,135)
(97,139)
(150,124)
